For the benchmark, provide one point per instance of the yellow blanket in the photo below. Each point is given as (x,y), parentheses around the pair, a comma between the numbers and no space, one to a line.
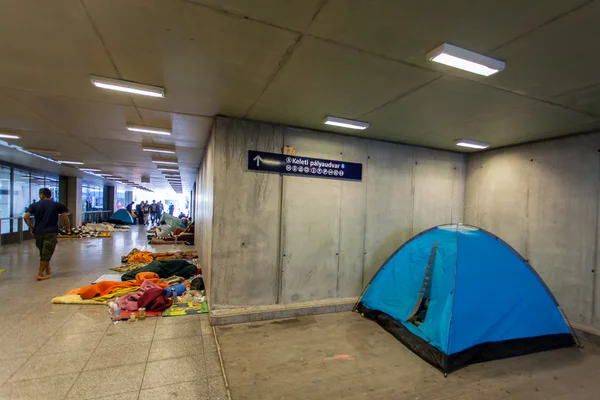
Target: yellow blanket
(76,299)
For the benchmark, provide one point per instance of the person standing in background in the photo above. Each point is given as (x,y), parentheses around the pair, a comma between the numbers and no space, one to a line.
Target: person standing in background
(46,213)
(146,210)
(140,213)
(171,209)
(160,210)
(153,210)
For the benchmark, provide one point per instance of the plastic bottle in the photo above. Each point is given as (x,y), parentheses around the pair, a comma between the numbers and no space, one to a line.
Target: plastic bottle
(117,313)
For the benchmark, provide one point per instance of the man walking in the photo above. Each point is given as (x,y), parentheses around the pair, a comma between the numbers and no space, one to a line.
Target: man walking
(46,213)
(171,209)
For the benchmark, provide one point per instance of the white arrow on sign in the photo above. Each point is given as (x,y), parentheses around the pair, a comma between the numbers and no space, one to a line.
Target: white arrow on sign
(258,159)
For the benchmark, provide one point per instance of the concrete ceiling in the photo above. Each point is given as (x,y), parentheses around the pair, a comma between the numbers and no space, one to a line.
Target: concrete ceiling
(290,62)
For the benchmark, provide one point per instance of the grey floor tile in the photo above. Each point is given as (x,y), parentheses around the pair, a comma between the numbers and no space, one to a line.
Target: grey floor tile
(212,364)
(197,390)
(206,328)
(11,347)
(44,365)
(148,323)
(105,357)
(216,388)
(176,331)
(117,336)
(178,347)
(51,388)
(8,321)
(208,342)
(76,342)
(107,382)
(173,370)
(121,396)
(82,323)
(9,367)
(183,319)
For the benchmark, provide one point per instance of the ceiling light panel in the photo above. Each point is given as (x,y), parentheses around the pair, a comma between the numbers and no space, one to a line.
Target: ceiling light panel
(9,136)
(164,162)
(147,129)
(157,150)
(70,162)
(128,87)
(346,123)
(472,144)
(466,60)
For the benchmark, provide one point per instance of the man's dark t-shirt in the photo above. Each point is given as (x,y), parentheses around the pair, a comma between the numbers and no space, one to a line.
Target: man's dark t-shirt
(46,215)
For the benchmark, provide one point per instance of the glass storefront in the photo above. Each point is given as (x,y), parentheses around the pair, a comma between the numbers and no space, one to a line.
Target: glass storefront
(5,197)
(21,195)
(92,197)
(18,189)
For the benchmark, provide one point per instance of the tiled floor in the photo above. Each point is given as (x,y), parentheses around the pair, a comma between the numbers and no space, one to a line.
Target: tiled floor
(74,352)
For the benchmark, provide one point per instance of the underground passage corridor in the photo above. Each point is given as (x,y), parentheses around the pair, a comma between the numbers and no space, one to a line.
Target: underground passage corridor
(299,199)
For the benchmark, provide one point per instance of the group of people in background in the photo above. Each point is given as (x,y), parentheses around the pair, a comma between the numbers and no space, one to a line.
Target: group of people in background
(150,212)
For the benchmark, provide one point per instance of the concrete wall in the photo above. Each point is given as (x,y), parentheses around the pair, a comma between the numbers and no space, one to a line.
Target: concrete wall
(282,239)
(543,200)
(204,211)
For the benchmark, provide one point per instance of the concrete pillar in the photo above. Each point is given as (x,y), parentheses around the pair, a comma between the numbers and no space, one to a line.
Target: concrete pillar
(110,199)
(74,205)
(63,188)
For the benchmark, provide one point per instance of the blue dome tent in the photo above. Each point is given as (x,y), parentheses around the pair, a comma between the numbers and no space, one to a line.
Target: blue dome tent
(457,295)
(121,217)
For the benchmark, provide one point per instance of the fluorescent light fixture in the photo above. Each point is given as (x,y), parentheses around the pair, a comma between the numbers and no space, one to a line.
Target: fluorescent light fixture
(346,123)
(147,129)
(9,136)
(164,162)
(127,86)
(155,150)
(105,175)
(466,60)
(473,144)
(70,162)
(90,169)
(168,169)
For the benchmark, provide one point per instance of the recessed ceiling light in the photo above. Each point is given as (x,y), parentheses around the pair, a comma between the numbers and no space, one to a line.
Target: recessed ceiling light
(9,136)
(473,144)
(70,162)
(346,123)
(147,129)
(155,150)
(90,169)
(466,60)
(126,86)
(164,162)
(168,169)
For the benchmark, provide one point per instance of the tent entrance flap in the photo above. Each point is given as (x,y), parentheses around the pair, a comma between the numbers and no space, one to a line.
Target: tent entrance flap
(426,278)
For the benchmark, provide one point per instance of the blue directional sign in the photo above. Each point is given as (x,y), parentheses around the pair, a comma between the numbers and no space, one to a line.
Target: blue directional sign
(304,166)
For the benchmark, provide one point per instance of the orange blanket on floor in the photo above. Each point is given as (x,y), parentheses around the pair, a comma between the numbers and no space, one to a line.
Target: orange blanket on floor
(105,287)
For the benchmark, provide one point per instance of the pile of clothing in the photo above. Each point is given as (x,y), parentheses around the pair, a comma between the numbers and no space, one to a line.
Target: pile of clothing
(152,287)
(81,232)
(102,230)
(105,227)
(169,255)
